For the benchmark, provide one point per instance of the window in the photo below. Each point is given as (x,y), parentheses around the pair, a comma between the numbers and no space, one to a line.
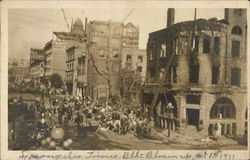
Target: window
(129,58)
(152,73)
(223,107)
(139,69)
(101,53)
(174,74)
(161,74)
(215,74)
(196,44)
(217,45)
(175,48)
(163,50)
(115,53)
(150,55)
(235,48)
(206,44)
(236,30)
(194,74)
(193,99)
(235,76)
(140,58)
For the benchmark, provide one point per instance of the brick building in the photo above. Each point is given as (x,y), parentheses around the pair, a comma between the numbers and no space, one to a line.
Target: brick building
(202,66)
(107,40)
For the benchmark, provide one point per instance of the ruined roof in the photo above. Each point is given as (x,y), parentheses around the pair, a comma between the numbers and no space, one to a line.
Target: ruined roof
(200,24)
(67,35)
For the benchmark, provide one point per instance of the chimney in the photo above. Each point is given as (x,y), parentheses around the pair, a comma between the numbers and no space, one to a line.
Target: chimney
(170,19)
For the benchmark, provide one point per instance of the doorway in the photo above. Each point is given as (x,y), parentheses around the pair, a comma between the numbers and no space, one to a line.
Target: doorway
(193,117)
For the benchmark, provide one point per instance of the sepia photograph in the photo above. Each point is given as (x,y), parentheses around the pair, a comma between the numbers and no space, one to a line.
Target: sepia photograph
(126,78)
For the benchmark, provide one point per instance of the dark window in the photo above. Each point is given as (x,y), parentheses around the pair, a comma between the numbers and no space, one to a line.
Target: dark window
(152,73)
(194,74)
(235,48)
(196,44)
(222,106)
(174,74)
(129,57)
(235,76)
(236,30)
(215,74)
(206,44)
(193,99)
(140,58)
(217,45)
(139,69)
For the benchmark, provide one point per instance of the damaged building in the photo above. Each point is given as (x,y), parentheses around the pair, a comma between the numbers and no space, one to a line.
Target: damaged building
(200,67)
(108,41)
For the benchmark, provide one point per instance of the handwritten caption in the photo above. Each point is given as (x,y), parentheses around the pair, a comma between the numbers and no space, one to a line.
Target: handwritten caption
(129,155)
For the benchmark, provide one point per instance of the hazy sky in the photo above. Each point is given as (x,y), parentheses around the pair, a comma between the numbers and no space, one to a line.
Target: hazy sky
(34,27)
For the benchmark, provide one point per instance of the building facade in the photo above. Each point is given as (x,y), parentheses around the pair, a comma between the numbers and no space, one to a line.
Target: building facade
(202,66)
(55,50)
(36,65)
(76,73)
(107,40)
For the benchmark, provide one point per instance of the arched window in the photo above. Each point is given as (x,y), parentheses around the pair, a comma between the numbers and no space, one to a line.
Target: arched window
(236,30)
(223,107)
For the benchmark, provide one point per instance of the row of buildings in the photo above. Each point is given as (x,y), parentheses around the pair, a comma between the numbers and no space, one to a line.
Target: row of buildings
(91,57)
(199,66)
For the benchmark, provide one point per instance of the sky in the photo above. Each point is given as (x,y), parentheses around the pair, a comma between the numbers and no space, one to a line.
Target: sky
(33,27)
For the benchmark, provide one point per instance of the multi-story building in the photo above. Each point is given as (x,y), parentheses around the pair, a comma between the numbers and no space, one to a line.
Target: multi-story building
(55,50)
(76,72)
(107,40)
(36,64)
(200,67)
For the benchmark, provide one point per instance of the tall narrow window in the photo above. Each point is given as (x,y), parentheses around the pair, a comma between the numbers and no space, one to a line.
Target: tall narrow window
(174,74)
(215,74)
(194,74)
(196,44)
(161,74)
(217,45)
(235,49)
(206,44)
(235,76)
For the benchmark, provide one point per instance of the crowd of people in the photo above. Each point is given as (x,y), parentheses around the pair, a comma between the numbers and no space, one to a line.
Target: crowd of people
(84,115)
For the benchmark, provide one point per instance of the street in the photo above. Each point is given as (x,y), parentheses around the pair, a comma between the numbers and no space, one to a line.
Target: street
(108,140)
